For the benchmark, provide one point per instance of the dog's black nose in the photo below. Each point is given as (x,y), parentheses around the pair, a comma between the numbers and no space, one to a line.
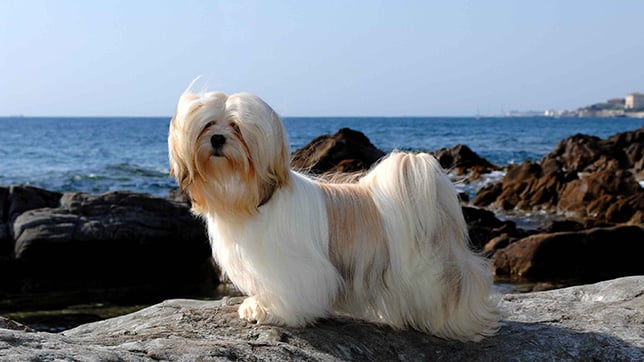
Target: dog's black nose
(217,141)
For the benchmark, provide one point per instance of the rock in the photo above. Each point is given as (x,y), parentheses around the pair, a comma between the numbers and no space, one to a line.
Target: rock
(117,239)
(6,244)
(115,217)
(519,186)
(24,198)
(593,322)
(579,151)
(607,195)
(608,189)
(584,177)
(488,194)
(460,160)
(498,243)
(349,151)
(582,153)
(483,226)
(525,186)
(555,226)
(14,200)
(345,151)
(587,255)
(176,195)
(6,323)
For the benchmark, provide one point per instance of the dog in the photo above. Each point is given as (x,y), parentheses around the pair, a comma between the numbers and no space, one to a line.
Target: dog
(391,248)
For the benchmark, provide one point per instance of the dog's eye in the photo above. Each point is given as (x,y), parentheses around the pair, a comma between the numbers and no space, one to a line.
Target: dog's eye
(209,124)
(235,127)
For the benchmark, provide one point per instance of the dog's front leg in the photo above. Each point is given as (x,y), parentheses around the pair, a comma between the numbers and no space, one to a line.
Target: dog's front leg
(252,310)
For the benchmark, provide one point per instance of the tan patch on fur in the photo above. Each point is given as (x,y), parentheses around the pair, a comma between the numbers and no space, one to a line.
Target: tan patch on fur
(357,238)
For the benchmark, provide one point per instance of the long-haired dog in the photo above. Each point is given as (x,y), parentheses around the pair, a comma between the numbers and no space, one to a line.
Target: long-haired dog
(392,247)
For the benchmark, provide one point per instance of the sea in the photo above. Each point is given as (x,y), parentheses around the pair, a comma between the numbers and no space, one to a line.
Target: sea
(101,154)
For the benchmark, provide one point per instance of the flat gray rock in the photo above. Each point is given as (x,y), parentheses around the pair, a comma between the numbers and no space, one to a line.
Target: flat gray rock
(603,321)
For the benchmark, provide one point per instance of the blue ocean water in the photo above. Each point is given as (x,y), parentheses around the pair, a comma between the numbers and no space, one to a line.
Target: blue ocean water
(102,154)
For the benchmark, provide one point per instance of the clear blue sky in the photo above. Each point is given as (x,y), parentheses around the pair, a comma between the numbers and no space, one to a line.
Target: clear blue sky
(318,58)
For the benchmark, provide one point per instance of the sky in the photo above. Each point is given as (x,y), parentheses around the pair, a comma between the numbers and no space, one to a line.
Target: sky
(318,58)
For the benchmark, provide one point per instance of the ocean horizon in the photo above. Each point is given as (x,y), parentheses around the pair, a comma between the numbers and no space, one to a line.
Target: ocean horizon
(99,154)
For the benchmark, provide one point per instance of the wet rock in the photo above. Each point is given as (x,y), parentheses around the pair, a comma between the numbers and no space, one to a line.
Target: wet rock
(464,197)
(609,195)
(592,322)
(525,186)
(584,177)
(488,194)
(484,226)
(586,255)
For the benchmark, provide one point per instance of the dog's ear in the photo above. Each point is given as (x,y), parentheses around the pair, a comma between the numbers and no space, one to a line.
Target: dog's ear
(189,188)
(280,171)
(178,167)
(197,201)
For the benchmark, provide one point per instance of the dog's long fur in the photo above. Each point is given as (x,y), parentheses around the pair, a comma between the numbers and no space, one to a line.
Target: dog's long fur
(392,247)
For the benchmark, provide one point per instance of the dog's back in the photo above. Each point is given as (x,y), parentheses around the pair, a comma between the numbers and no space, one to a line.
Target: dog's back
(435,282)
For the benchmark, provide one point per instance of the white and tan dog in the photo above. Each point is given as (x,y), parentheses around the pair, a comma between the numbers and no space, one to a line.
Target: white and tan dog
(391,248)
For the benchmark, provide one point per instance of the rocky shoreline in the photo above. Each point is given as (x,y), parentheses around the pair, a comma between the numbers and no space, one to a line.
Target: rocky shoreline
(592,186)
(147,249)
(599,322)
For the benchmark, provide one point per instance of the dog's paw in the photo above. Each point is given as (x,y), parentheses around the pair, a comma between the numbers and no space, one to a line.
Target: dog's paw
(252,311)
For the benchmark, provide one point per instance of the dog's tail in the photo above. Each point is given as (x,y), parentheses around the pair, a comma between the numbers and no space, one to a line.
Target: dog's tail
(437,284)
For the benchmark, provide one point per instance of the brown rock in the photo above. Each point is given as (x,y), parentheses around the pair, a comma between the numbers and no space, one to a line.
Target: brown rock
(582,153)
(498,243)
(635,154)
(638,218)
(632,144)
(608,195)
(483,226)
(517,184)
(525,186)
(488,194)
(589,255)
(460,159)
(575,153)
(607,191)
(345,151)
(555,226)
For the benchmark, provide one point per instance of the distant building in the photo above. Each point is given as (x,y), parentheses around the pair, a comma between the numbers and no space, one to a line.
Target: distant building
(617,101)
(634,101)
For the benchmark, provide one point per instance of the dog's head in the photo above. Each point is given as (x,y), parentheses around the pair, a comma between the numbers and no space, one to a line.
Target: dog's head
(228,153)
